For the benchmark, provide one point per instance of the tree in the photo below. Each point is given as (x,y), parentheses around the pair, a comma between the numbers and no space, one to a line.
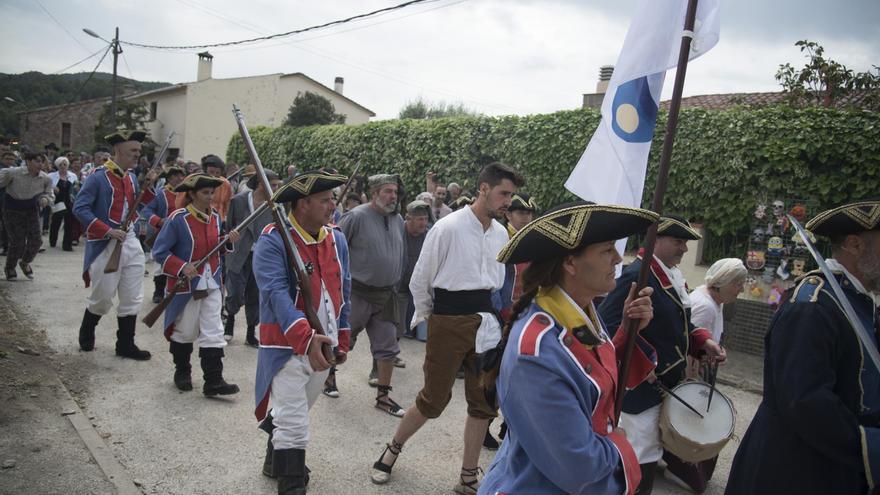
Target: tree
(419,109)
(312,109)
(129,115)
(822,81)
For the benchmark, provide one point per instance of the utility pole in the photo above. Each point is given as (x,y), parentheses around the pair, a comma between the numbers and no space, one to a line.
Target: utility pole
(116,51)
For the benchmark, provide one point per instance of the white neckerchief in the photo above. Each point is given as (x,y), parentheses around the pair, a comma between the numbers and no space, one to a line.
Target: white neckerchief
(678,282)
(836,266)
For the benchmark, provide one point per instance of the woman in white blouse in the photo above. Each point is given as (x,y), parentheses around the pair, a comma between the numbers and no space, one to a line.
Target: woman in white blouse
(724,282)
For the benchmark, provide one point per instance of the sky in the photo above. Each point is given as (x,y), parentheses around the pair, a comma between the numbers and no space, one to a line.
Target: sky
(496,57)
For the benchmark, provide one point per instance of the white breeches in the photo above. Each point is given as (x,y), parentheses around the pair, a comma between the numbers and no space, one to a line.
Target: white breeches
(643,432)
(200,322)
(127,281)
(294,390)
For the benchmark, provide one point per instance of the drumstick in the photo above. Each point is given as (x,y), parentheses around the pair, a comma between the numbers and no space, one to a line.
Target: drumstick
(713,373)
(666,389)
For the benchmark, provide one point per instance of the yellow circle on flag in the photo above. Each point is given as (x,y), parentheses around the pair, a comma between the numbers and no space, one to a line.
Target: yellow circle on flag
(627,118)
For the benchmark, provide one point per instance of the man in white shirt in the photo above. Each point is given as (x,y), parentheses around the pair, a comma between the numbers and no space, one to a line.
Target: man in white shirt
(451,287)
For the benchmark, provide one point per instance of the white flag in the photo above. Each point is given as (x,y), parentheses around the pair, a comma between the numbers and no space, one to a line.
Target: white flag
(612,168)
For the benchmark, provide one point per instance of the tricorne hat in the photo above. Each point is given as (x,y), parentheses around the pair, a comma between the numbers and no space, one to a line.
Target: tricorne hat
(122,136)
(572,226)
(196,181)
(851,218)
(168,172)
(678,227)
(306,184)
(522,202)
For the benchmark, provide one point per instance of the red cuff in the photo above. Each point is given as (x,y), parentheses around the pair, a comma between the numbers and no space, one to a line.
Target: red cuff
(97,229)
(641,365)
(630,462)
(698,338)
(505,314)
(154,221)
(299,336)
(173,266)
(344,339)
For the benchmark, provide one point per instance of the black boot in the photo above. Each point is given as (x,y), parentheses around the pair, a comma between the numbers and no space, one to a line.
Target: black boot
(489,441)
(159,290)
(251,338)
(290,466)
(212,368)
(649,470)
(269,461)
(87,331)
(125,339)
(182,368)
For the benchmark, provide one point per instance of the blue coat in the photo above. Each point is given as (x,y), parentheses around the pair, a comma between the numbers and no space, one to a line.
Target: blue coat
(817,429)
(670,332)
(186,237)
(159,208)
(99,207)
(557,397)
(284,330)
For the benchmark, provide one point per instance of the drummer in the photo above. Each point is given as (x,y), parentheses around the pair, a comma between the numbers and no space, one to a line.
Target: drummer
(561,362)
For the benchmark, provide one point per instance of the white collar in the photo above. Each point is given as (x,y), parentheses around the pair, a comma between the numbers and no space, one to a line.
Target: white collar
(678,282)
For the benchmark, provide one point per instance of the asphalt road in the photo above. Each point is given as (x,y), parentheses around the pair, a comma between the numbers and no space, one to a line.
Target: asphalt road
(173,442)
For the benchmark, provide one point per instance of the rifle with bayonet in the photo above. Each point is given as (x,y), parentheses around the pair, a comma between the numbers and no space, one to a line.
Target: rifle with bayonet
(341,198)
(113,262)
(293,258)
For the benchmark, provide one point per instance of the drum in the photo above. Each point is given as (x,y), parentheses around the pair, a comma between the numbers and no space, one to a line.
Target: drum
(686,435)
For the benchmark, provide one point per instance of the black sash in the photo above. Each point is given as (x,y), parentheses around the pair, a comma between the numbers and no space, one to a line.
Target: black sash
(462,302)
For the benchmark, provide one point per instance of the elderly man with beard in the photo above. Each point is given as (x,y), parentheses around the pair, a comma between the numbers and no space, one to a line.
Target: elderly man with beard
(451,286)
(375,236)
(817,429)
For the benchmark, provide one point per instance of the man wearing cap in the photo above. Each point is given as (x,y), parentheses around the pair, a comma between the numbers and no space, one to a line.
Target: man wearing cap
(451,285)
(240,283)
(291,368)
(671,333)
(101,206)
(156,212)
(28,189)
(416,227)
(375,236)
(817,429)
(193,316)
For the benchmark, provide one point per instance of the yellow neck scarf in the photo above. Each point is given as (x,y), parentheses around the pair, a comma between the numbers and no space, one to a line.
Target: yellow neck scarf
(566,312)
(305,235)
(200,215)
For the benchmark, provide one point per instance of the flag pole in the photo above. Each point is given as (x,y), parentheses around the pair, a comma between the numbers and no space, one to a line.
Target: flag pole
(659,192)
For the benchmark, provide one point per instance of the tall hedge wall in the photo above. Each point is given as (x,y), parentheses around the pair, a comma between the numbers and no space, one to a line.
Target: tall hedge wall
(723,161)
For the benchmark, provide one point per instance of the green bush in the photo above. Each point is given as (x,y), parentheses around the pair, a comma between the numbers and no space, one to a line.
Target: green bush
(722,164)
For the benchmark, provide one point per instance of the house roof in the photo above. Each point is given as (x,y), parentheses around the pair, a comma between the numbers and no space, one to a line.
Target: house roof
(64,105)
(728,100)
(300,74)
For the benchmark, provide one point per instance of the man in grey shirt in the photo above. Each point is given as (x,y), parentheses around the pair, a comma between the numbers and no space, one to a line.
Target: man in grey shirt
(375,236)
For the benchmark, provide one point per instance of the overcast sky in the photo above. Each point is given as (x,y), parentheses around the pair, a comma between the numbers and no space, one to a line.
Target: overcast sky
(495,56)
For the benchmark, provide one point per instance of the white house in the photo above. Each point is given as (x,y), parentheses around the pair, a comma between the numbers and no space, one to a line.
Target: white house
(200,113)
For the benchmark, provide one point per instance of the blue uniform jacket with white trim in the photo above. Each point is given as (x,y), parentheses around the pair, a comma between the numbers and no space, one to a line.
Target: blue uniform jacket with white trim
(817,429)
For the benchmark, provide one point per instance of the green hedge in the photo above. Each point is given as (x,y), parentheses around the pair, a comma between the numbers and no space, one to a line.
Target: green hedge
(723,161)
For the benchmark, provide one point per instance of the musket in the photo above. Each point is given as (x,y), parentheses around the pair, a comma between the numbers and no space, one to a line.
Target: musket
(866,338)
(302,275)
(341,199)
(157,311)
(113,262)
(235,174)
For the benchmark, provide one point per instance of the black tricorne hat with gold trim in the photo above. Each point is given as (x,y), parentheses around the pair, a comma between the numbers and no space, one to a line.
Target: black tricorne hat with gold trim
(851,218)
(572,226)
(678,227)
(308,183)
(168,172)
(461,202)
(122,136)
(522,202)
(196,181)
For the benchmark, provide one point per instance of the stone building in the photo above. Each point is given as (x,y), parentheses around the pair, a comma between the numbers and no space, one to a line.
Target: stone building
(69,126)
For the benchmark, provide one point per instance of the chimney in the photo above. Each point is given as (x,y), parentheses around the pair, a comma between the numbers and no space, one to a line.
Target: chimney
(605,73)
(337,84)
(205,62)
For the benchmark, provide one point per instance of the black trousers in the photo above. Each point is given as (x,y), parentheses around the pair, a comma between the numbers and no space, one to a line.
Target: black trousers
(65,217)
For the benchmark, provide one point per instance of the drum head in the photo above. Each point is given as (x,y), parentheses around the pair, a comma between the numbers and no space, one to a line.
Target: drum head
(717,423)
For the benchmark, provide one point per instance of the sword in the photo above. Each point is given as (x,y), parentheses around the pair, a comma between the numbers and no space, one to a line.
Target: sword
(865,338)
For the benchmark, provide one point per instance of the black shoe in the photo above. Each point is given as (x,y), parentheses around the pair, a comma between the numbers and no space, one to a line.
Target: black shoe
(330,389)
(290,466)
(87,331)
(212,368)
(229,327)
(156,298)
(158,288)
(11,274)
(182,367)
(125,346)
(489,442)
(68,249)
(251,337)
(26,269)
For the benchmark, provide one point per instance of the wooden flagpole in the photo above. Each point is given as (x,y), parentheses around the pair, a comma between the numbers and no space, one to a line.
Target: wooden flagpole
(659,192)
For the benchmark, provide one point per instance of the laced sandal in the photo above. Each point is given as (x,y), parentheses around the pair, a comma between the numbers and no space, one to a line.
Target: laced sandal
(381,471)
(468,487)
(387,404)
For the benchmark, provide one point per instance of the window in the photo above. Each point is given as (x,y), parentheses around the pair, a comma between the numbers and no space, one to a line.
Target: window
(65,134)
(153,107)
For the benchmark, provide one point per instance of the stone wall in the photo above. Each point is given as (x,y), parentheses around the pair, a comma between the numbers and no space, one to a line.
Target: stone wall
(43,126)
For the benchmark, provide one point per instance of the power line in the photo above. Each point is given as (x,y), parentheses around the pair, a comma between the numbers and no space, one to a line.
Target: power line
(281,35)
(130,75)
(61,25)
(81,87)
(77,63)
